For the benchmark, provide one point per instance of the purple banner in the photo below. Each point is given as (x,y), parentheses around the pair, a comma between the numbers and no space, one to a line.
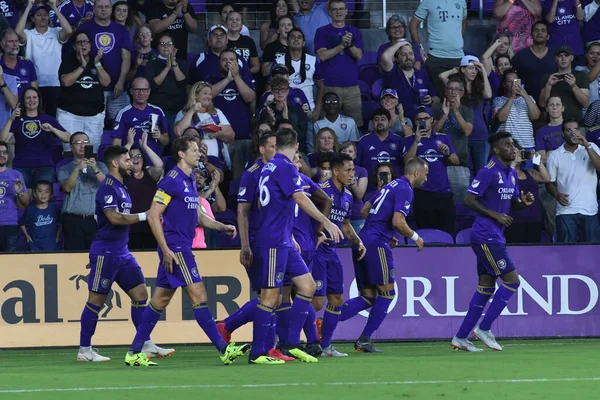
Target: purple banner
(558,294)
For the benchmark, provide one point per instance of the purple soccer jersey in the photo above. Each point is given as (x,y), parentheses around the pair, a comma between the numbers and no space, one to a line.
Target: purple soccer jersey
(24,71)
(71,12)
(131,117)
(248,193)
(549,138)
(342,69)
(32,142)
(496,186)
(304,230)
(565,28)
(428,150)
(340,209)
(8,197)
(371,151)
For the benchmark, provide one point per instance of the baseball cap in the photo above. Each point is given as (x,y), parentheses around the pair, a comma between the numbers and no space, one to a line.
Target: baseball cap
(279,69)
(564,48)
(424,109)
(466,60)
(388,92)
(212,28)
(37,7)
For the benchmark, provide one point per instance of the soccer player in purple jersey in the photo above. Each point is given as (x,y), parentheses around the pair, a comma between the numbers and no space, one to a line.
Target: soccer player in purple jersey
(327,267)
(375,274)
(176,201)
(280,189)
(110,259)
(492,194)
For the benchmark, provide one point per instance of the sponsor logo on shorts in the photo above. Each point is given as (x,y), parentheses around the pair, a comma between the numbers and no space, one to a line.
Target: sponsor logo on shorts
(319,284)
(195,272)
(105,283)
(393,273)
(279,277)
(501,264)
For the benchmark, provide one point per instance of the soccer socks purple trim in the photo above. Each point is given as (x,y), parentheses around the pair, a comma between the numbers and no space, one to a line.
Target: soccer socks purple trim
(283,322)
(310,327)
(501,297)
(297,318)
(137,310)
(89,320)
(242,316)
(478,302)
(378,312)
(354,306)
(208,325)
(270,338)
(330,321)
(260,329)
(149,320)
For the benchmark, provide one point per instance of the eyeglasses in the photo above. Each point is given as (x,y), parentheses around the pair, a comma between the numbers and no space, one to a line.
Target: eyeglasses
(280,90)
(331,101)
(455,89)
(338,9)
(140,90)
(3,153)
(82,42)
(81,142)
(136,156)
(166,44)
(145,34)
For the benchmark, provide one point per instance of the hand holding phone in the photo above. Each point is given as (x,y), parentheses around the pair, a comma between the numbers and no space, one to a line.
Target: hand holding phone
(88,153)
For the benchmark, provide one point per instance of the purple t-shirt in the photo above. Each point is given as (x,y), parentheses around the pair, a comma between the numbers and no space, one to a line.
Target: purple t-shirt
(495,185)
(428,150)
(8,197)
(10,10)
(71,12)
(387,45)
(408,91)
(304,231)
(396,196)
(131,117)
(279,180)
(24,71)
(340,209)
(565,29)
(111,39)
(177,191)
(357,205)
(549,138)
(248,193)
(111,238)
(32,142)
(342,69)
(533,213)
(235,108)
(371,151)
(591,28)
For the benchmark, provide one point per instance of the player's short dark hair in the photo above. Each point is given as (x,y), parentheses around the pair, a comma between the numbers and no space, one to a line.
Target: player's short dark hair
(496,137)
(77,134)
(114,152)
(569,120)
(501,56)
(286,138)
(279,81)
(3,143)
(414,164)
(181,144)
(324,158)
(44,182)
(338,160)
(381,111)
(279,123)
(262,141)
(228,51)
(455,79)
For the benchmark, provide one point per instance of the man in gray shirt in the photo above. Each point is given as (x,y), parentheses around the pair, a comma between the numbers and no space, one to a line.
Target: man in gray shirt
(456,121)
(79,180)
(446,23)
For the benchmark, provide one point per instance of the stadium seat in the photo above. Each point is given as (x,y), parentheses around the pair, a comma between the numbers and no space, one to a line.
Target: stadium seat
(369,57)
(57,195)
(365,91)
(369,73)
(376,88)
(464,236)
(435,236)
(464,217)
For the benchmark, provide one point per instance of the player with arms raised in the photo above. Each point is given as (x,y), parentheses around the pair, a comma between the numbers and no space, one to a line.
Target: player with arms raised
(176,201)
(492,194)
(280,189)
(110,259)
(375,274)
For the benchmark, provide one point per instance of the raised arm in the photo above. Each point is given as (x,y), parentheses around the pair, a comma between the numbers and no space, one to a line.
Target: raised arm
(67,29)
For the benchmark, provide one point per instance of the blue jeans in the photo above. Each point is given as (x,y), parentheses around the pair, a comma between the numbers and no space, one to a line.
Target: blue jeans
(577,228)
(9,238)
(31,176)
(480,151)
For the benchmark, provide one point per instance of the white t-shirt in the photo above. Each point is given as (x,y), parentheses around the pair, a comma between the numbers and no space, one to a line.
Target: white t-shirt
(574,175)
(309,83)
(45,52)
(207,119)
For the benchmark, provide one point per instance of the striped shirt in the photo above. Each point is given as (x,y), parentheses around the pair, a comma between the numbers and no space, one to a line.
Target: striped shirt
(518,123)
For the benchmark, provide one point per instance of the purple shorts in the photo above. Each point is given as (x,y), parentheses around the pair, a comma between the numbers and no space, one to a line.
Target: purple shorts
(308,257)
(377,268)
(278,264)
(106,269)
(492,259)
(185,272)
(328,274)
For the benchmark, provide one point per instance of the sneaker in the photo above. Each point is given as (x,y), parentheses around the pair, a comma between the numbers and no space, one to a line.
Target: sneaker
(319,323)
(277,354)
(225,334)
(265,360)
(301,355)
(332,352)
(151,350)
(233,352)
(488,338)
(464,344)
(138,360)
(314,349)
(87,354)
(364,345)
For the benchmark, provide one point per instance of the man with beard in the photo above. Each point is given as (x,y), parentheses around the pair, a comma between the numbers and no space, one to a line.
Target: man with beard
(110,259)
(492,195)
(176,17)
(412,85)
(13,64)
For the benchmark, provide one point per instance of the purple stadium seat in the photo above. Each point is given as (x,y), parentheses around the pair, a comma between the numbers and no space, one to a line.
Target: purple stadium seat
(488,5)
(377,88)
(365,91)
(369,57)
(57,195)
(464,236)
(369,73)
(199,6)
(464,217)
(435,236)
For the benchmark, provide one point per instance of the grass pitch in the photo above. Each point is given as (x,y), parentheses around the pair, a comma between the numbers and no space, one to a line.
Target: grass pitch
(535,369)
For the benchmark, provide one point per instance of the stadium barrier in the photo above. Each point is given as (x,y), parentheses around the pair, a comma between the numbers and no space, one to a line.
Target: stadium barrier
(43,294)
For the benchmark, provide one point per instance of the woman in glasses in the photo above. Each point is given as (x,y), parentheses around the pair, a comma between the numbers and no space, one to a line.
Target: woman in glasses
(81,101)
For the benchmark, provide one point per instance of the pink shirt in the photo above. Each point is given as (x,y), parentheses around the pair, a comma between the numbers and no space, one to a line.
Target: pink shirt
(199,242)
(518,21)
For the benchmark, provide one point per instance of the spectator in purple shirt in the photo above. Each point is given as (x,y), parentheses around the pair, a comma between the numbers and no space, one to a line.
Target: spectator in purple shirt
(13,64)
(563,18)
(14,196)
(10,10)
(339,48)
(123,15)
(35,134)
(358,187)
(75,11)
(396,31)
(143,52)
(549,137)
(591,27)
(176,17)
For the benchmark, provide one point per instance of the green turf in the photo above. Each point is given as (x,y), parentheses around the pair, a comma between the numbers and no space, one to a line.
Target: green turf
(551,369)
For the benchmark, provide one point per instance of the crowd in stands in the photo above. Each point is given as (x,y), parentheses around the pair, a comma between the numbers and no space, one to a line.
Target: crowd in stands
(80,75)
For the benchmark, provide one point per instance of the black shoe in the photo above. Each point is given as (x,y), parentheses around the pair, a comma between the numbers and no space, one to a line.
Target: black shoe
(314,349)
(364,345)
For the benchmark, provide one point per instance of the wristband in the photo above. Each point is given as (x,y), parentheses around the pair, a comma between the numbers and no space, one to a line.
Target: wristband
(98,64)
(142,217)
(414,237)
